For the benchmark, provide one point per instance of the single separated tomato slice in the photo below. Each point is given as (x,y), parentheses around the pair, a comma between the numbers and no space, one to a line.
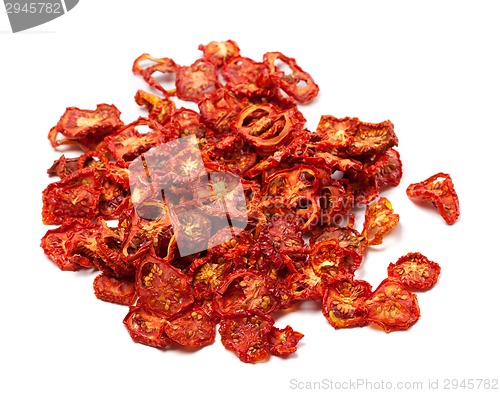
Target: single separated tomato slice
(344,303)
(415,272)
(247,337)
(440,191)
(283,341)
(146,327)
(392,307)
(380,219)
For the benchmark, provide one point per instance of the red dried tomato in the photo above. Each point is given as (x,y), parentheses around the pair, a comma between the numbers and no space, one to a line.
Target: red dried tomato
(415,271)
(344,303)
(392,307)
(380,219)
(283,341)
(184,255)
(110,289)
(146,327)
(440,191)
(195,328)
(247,337)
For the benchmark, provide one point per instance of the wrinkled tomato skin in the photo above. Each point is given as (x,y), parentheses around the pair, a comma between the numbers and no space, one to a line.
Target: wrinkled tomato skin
(415,272)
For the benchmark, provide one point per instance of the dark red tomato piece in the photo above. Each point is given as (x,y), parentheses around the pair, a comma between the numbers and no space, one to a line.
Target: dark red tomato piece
(415,271)
(344,303)
(440,191)
(242,71)
(247,337)
(63,167)
(194,328)
(163,288)
(220,52)
(197,79)
(244,292)
(76,196)
(283,341)
(146,327)
(380,219)
(387,169)
(392,307)
(114,290)
(298,83)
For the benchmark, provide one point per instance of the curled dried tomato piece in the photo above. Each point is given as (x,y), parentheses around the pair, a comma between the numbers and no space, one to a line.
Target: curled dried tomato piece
(163,65)
(380,219)
(283,341)
(160,109)
(76,196)
(392,307)
(415,271)
(299,84)
(85,127)
(220,52)
(348,238)
(197,79)
(242,75)
(353,137)
(114,290)
(195,328)
(162,288)
(247,337)
(63,167)
(146,327)
(440,191)
(344,303)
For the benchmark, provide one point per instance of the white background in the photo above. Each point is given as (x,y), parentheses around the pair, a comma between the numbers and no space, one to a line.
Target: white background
(430,67)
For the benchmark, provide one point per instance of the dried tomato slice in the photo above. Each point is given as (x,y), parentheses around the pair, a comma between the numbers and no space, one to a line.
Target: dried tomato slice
(283,341)
(220,52)
(247,337)
(387,168)
(162,288)
(299,84)
(163,65)
(128,143)
(244,292)
(440,191)
(146,327)
(77,124)
(114,290)
(344,303)
(331,261)
(392,307)
(76,196)
(63,167)
(355,138)
(415,271)
(197,79)
(380,219)
(160,109)
(194,328)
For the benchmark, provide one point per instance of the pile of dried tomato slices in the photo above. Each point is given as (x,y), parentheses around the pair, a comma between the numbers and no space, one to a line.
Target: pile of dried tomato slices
(300,186)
